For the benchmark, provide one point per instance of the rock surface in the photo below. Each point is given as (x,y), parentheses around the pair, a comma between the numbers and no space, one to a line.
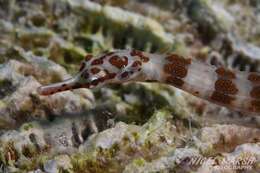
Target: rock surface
(135,127)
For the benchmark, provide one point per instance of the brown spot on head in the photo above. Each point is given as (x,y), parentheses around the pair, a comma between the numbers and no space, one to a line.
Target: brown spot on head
(225,73)
(255,92)
(225,86)
(136,64)
(118,61)
(98,61)
(174,81)
(140,55)
(144,58)
(136,53)
(95,70)
(88,57)
(221,98)
(254,78)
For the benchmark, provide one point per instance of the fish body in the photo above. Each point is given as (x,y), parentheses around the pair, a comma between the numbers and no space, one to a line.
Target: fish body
(233,89)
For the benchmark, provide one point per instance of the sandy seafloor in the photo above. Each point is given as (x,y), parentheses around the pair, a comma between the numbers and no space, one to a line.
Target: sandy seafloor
(131,127)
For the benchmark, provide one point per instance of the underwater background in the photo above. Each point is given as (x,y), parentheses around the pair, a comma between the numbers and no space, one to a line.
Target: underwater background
(131,127)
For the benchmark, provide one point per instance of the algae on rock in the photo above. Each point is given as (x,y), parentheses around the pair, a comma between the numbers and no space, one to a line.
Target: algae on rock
(135,127)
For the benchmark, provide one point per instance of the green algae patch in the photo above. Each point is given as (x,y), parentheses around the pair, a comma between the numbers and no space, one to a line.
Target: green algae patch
(33,164)
(67,54)
(29,159)
(158,120)
(139,162)
(6,88)
(34,37)
(27,126)
(138,145)
(83,163)
(140,96)
(117,23)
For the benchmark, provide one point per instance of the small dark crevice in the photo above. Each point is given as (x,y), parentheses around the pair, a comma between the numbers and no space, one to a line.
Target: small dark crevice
(6,88)
(33,139)
(86,133)
(75,138)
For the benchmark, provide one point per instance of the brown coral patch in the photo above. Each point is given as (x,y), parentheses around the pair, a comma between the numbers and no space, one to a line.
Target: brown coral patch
(118,61)
(225,86)
(225,73)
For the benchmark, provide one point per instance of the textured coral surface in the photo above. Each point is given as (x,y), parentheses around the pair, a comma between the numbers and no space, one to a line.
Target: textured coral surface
(131,127)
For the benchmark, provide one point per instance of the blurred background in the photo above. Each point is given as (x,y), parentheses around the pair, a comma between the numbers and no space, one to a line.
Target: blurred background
(133,127)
